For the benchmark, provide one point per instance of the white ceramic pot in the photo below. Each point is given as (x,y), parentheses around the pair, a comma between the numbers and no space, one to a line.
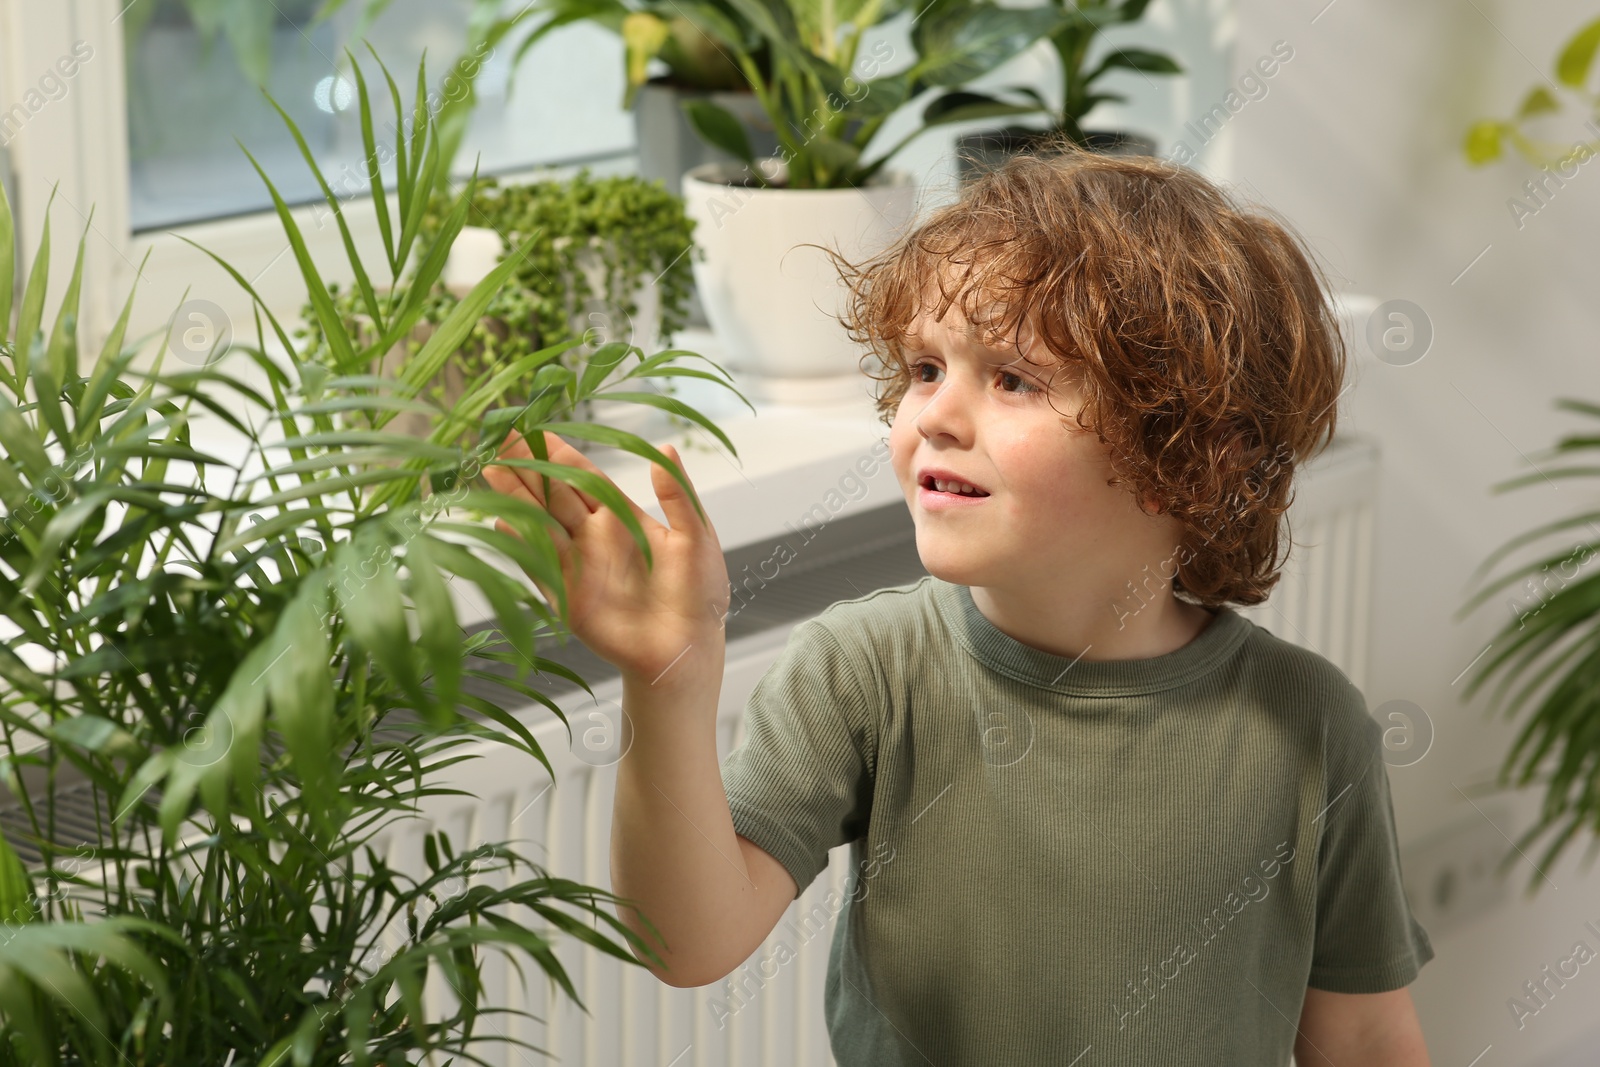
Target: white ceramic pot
(473,254)
(601,322)
(774,304)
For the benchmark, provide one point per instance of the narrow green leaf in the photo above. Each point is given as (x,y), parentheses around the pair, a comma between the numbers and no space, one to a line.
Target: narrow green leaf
(269,529)
(370,601)
(35,954)
(427,272)
(108,369)
(597,486)
(17,902)
(537,557)
(8,277)
(447,339)
(321,301)
(677,407)
(422,187)
(47,387)
(369,144)
(600,365)
(20,444)
(504,595)
(301,687)
(31,312)
(620,439)
(261,305)
(402,171)
(422,130)
(440,633)
(61,355)
(363,283)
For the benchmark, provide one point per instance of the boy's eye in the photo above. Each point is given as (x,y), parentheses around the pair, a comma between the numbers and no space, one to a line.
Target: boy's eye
(1023,385)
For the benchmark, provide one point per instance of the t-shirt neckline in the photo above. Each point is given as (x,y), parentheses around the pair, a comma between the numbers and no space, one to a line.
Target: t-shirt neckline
(998,650)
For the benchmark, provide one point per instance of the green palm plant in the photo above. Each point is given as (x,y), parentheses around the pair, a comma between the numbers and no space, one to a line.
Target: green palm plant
(253,666)
(1552,644)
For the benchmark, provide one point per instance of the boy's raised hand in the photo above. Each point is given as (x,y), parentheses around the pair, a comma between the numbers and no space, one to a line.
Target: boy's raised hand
(638,618)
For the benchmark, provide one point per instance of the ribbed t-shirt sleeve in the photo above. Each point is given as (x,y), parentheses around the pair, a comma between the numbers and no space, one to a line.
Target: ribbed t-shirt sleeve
(800,783)
(1367,940)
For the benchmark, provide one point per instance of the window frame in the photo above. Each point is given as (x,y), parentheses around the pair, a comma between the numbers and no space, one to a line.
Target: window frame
(78,145)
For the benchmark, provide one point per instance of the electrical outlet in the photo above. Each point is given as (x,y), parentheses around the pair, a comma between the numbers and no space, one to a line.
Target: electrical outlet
(1450,877)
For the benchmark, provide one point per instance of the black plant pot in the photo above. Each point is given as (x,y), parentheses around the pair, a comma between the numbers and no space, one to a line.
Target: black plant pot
(983,151)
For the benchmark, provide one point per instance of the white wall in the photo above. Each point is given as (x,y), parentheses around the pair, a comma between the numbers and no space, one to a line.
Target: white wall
(1358,145)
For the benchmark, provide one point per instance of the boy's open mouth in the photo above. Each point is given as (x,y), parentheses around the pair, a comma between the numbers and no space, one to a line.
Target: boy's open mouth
(951,488)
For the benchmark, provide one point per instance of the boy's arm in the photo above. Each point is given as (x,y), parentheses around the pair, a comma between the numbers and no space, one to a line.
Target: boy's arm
(1359,1030)
(674,853)
(714,896)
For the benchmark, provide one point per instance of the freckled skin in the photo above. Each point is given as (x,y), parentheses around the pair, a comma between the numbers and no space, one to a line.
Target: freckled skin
(1050,553)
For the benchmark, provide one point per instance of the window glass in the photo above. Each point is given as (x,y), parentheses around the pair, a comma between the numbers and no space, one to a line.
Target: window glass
(190,94)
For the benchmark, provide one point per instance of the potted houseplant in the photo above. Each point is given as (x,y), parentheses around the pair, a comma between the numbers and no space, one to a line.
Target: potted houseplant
(612,266)
(771,301)
(1073,38)
(696,66)
(616,261)
(1549,639)
(219,652)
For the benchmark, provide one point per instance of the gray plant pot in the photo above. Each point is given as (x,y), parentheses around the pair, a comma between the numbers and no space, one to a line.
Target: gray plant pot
(669,146)
(980,152)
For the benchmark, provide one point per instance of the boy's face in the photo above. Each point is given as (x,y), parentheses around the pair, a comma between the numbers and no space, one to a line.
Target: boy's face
(1050,523)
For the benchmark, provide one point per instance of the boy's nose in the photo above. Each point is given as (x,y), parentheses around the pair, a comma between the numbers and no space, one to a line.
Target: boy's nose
(945,412)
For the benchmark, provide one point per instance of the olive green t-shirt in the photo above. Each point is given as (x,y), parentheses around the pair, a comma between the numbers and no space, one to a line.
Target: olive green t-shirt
(1075,862)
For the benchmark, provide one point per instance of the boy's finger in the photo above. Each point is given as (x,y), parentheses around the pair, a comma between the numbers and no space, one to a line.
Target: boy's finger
(567,504)
(561,548)
(675,503)
(561,540)
(505,480)
(509,479)
(571,457)
(568,456)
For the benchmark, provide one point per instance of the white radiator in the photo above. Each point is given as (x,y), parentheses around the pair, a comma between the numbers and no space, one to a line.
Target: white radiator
(774,1017)
(1324,599)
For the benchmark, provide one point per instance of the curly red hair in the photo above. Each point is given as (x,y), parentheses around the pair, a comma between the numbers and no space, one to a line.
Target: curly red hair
(1208,354)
